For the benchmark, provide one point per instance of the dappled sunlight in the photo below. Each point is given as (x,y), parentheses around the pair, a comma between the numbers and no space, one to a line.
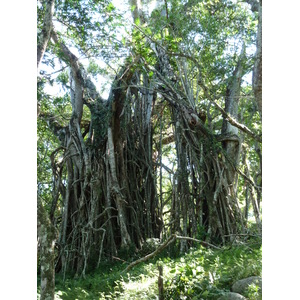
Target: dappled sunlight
(135,289)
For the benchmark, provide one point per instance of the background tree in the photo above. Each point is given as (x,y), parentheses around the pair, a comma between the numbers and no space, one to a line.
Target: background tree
(45,229)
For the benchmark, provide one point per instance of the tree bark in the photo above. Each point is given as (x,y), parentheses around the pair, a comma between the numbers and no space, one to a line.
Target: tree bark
(256,6)
(125,237)
(77,78)
(47,238)
(232,147)
(257,70)
(160,283)
(45,229)
(46,31)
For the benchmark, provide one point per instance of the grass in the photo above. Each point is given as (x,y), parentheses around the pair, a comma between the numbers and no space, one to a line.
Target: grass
(199,274)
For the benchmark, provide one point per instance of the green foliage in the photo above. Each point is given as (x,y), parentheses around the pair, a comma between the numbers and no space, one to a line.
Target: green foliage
(149,246)
(94,69)
(63,78)
(206,274)
(199,274)
(253,293)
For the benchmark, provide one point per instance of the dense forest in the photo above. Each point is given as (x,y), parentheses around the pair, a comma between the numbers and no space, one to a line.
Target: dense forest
(149,127)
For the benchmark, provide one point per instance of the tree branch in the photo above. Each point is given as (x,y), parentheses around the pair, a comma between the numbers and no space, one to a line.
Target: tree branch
(170,240)
(46,31)
(235,123)
(77,89)
(229,118)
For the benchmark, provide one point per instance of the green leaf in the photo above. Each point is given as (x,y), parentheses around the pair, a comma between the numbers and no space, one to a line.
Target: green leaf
(205,293)
(137,21)
(188,272)
(110,7)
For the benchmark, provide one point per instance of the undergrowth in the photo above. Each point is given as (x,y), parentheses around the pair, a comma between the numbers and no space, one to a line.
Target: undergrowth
(199,274)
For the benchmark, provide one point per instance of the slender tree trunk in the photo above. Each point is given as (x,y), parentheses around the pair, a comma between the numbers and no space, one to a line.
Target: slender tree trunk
(120,201)
(256,6)
(47,238)
(46,231)
(257,70)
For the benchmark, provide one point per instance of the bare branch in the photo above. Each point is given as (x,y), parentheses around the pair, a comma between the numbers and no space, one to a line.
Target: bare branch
(170,240)
(235,123)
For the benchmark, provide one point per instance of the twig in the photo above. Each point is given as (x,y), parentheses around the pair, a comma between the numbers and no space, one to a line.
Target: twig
(117,258)
(205,244)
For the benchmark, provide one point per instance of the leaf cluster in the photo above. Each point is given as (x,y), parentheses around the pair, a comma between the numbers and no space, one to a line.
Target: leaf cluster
(205,274)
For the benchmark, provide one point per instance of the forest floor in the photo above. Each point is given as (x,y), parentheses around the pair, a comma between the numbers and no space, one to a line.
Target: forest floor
(199,274)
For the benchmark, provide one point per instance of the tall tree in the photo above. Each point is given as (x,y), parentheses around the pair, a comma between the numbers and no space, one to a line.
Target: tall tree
(46,231)
(176,95)
(256,6)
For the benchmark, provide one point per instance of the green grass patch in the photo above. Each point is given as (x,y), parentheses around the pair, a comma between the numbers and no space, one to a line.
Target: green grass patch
(199,274)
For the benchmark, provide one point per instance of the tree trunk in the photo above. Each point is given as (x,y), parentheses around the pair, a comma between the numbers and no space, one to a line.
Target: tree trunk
(232,145)
(256,6)
(257,70)
(47,238)
(120,200)
(45,229)
(46,31)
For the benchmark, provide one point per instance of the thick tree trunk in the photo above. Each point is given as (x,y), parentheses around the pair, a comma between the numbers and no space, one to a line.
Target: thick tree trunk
(232,146)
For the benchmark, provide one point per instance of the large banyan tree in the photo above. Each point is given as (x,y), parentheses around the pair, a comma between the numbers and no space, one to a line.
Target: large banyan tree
(176,145)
